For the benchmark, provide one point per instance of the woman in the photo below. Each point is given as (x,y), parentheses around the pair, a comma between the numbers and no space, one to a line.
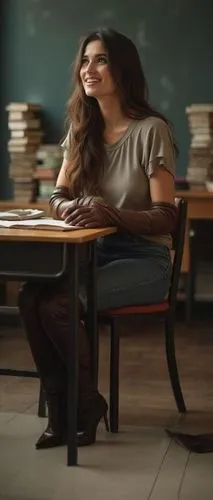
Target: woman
(118,169)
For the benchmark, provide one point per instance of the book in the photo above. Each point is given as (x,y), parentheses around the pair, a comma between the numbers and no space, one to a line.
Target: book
(19,134)
(46,173)
(21,171)
(20,115)
(47,151)
(24,148)
(200,108)
(24,124)
(22,141)
(46,223)
(23,106)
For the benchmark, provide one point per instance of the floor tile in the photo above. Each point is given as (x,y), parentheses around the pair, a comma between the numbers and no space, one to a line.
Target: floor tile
(198,480)
(170,474)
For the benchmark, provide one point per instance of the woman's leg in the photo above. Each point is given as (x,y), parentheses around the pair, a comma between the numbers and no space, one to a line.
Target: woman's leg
(44,311)
(50,366)
(131,270)
(53,312)
(45,314)
(129,282)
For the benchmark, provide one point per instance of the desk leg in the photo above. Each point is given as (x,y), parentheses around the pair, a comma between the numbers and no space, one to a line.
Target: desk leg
(3,293)
(191,278)
(92,324)
(73,355)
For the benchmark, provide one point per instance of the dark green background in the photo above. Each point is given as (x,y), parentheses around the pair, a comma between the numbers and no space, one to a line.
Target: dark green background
(39,39)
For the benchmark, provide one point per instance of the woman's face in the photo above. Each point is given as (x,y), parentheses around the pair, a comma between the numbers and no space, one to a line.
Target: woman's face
(94,73)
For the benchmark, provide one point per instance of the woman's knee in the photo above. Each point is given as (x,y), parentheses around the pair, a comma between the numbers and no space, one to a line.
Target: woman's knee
(51,304)
(46,307)
(27,295)
(53,307)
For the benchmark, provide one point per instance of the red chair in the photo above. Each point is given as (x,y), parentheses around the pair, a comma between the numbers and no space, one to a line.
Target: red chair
(165,308)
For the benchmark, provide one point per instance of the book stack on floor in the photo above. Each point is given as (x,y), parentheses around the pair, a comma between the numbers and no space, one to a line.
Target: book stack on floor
(25,138)
(200,166)
(49,159)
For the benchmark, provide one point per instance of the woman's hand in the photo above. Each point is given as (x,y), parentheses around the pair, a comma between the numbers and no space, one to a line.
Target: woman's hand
(90,216)
(72,205)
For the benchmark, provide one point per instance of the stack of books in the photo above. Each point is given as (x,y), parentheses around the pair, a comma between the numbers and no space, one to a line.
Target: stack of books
(49,159)
(200,166)
(25,138)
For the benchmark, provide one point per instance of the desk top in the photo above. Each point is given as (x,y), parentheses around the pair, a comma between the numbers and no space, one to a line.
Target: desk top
(13,204)
(33,235)
(193,194)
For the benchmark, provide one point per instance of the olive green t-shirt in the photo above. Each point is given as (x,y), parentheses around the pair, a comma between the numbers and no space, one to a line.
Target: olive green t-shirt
(146,145)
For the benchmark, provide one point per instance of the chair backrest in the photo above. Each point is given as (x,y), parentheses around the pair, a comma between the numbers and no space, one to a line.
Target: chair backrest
(178,245)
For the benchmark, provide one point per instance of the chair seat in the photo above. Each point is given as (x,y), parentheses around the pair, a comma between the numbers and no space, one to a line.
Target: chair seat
(140,309)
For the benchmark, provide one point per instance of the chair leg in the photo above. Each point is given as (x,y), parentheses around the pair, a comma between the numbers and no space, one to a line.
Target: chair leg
(106,423)
(114,377)
(42,403)
(172,364)
(191,279)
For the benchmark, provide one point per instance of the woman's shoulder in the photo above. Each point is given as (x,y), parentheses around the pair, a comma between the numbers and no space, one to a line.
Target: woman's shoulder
(152,123)
(153,129)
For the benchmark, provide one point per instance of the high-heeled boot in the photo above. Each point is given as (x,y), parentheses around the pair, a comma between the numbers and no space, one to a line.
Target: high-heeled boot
(92,408)
(55,433)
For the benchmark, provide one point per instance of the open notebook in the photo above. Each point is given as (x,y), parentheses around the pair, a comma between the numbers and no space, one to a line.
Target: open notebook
(44,223)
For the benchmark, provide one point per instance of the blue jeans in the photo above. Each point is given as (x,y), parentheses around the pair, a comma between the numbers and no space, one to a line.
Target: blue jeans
(131,270)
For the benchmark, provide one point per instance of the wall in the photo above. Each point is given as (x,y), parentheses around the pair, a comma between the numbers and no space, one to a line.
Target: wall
(39,39)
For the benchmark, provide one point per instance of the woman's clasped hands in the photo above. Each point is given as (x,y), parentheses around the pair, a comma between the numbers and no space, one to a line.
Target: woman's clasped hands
(89,214)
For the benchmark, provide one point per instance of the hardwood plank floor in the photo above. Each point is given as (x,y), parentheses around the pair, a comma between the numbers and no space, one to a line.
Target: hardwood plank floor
(144,382)
(140,461)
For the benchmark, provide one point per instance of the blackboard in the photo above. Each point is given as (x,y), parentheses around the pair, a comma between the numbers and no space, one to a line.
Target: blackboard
(39,39)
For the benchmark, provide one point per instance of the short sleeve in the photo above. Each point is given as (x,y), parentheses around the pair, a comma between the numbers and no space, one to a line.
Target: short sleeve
(66,145)
(159,147)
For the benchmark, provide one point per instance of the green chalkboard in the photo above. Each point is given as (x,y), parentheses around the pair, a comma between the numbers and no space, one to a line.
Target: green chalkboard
(39,39)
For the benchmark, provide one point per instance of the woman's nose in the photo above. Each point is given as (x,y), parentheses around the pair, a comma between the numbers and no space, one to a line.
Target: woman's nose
(91,66)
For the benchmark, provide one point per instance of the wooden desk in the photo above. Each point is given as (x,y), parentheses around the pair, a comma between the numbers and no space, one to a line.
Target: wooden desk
(21,259)
(10,204)
(200,207)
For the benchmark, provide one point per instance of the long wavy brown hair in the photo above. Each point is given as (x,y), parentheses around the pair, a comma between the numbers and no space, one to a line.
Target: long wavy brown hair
(87,153)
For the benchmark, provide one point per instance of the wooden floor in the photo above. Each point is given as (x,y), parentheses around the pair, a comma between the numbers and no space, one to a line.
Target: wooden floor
(140,462)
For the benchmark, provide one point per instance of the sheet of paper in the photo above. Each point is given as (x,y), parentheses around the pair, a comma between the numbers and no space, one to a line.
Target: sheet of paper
(45,221)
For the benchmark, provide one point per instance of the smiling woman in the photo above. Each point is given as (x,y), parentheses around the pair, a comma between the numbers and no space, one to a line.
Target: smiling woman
(118,169)
(94,73)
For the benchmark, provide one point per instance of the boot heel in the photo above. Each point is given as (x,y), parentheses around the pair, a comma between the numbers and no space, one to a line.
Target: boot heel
(94,410)
(106,422)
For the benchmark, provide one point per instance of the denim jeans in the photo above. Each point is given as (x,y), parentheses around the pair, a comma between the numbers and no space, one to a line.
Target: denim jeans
(131,270)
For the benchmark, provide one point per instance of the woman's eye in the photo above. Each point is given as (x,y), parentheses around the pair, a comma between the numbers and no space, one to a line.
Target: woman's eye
(102,60)
(99,60)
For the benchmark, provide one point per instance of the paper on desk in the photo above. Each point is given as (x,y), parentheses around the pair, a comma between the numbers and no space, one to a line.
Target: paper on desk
(44,223)
(22,214)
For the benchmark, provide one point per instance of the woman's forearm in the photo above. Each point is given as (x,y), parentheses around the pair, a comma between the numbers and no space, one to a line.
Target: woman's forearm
(160,219)
(59,201)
